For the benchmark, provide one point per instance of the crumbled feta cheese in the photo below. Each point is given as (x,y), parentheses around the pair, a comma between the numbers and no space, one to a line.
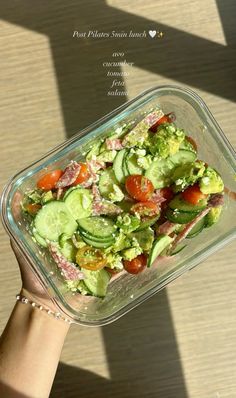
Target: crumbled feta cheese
(206,180)
(141,152)
(118,130)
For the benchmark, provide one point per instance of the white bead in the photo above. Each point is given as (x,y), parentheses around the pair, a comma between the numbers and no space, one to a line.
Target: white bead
(41,307)
(33,304)
(49,312)
(25,300)
(18,297)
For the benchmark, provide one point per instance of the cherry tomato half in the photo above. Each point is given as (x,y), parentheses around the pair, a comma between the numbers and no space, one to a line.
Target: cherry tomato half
(193,194)
(49,180)
(148,208)
(90,258)
(136,265)
(33,208)
(139,187)
(83,174)
(192,142)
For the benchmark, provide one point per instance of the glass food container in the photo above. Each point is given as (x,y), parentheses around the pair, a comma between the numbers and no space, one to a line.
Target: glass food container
(127,291)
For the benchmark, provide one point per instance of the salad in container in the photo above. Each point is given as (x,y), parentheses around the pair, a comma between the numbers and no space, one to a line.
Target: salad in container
(117,212)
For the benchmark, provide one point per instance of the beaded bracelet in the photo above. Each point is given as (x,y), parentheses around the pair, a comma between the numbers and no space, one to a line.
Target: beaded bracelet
(56,315)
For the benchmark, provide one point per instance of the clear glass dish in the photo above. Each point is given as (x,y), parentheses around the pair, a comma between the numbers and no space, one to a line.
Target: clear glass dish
(127,291)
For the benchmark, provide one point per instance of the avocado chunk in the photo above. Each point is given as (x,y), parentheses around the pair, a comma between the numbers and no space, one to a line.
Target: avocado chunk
(211,182)
(131,253)
(187,174)
(47,196)
(213,216)
(107,156)
(167,140)
(145,238)
(127,223)
(121,243)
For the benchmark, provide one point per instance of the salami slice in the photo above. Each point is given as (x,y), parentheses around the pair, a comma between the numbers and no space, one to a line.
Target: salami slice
(157,197)
(166,228)
(114,144)
(182,235)
(105,207)
(88,183)
(96,193)
(60,192)
(216,200)
(140,132)
(101,206)
(69,176)
(68,269)
(93,166)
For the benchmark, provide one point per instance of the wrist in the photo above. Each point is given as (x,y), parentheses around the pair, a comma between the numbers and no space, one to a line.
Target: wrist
(43,321)
(43,299)
(42,310)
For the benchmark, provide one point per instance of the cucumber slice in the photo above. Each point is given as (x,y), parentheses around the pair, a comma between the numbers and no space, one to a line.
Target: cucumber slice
(69,250)
(147,223)
(183,156)
(98,227)
(41,241)
(158,246)
(180,217)
(106,181)
(79,203)
(131,164)
(68,192)
(124,165)
(160,173)
(178,248)
(118,165)
(180,204)
(160,170)
(196,229)
(86,235)
(54,219)
(96,281)
(67,247)
(96,243)
(63,238)
(83,289)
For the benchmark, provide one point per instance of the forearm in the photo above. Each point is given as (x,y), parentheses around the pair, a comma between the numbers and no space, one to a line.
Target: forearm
(30,349)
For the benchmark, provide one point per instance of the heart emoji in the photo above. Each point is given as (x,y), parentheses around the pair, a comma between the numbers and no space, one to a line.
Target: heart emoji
(152,33)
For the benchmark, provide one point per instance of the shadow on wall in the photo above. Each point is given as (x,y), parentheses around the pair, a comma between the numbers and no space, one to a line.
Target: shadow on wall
(81,77)
(142,355)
